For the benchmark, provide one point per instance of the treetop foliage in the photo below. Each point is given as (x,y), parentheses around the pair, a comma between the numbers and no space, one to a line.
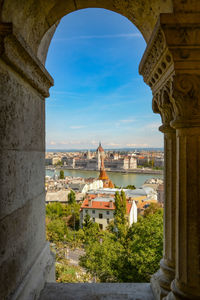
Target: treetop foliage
(131,258)
(62,175)
(71,197)
(128,255)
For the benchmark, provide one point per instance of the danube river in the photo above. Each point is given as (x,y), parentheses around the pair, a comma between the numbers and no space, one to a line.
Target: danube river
(120,179)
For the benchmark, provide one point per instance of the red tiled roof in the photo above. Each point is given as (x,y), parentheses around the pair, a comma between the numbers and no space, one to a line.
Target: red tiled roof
(103,205)
(97,204)
(103,175)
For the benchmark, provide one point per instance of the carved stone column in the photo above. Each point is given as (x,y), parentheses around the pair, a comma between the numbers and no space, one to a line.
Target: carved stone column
(161,281)
(186,103)
(173,55)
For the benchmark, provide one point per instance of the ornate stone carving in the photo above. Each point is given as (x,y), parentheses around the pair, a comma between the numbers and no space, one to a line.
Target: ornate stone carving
(154,53)
(155,107)
(174,48)
(178,101)
(156,60)
(186,98)
(177,98)
(161,104)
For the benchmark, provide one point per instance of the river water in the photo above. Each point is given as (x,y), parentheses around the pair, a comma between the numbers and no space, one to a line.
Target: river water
(120,179)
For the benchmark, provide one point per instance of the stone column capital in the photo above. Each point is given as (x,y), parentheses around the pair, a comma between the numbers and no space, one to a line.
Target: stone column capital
(18,55)
(185,98)
(161,104)
(171,67)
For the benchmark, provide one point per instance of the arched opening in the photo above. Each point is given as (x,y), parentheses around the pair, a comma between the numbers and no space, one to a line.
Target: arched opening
(99,95)
(172,44)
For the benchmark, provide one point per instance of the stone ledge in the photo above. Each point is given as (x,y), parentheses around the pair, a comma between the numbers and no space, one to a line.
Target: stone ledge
(16,53)
(97,291)
(42,270)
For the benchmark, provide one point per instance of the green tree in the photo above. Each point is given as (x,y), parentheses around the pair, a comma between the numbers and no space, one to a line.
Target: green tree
(87,223)
(67,212)
(120,214)
(54,210)
(152,209)
(62,175)
(144,248)
(130,187)
(131,259)
(56,230)
(102,257)
(71,197)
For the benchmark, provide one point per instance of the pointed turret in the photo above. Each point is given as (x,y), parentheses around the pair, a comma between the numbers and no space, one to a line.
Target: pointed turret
(107,183)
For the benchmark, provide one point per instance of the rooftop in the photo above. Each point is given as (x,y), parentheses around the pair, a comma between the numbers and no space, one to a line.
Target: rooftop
(103,203)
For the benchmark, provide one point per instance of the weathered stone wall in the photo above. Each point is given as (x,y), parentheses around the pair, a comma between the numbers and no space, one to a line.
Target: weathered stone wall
(22,146)
(37,17)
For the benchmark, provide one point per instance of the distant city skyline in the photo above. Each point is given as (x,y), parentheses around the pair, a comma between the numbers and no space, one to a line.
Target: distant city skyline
(106,149)
(98,93)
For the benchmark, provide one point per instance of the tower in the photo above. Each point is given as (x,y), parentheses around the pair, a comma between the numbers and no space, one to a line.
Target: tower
(107,183)
(100,156)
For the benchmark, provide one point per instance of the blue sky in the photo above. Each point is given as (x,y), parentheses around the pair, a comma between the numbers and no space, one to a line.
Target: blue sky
(98,93)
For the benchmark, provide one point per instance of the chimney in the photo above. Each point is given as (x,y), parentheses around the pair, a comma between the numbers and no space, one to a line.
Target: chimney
(90,203)
(111,204)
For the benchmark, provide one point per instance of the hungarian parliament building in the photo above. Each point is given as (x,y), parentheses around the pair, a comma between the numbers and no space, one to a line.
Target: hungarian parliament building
(92,161)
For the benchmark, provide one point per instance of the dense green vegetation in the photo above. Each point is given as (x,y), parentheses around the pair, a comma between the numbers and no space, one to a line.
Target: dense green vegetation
(149,165)
(119,254)
(61,220)
(59,163)
(130,255)
(129,187)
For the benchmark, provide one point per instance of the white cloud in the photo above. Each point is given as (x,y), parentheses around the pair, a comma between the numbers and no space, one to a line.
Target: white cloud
(112,145)
(104,36)
(127,121)
(77,126)
(52,143)
(151,126)
(137,145)
(95,143)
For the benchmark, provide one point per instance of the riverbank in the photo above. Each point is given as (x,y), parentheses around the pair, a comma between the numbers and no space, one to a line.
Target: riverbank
(133,171)
(118,178)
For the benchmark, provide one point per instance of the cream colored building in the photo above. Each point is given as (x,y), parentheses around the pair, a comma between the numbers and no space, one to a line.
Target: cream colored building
(101,211)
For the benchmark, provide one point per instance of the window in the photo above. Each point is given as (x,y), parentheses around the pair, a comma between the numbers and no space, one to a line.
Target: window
(93,219)
(93,211)
(108,221)
(101,226)
(107,212)
(86,211)
(100,216)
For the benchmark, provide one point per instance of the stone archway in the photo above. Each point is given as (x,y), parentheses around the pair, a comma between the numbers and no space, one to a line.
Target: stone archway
(170,66)
(35,19)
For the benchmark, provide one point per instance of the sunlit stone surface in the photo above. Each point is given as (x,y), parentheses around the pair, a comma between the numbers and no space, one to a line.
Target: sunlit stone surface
(97,291)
